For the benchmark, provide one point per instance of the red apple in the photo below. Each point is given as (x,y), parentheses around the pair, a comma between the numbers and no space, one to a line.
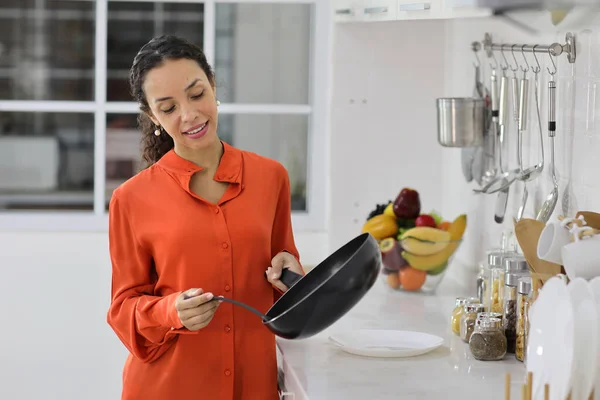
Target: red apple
(407,204)
(425,220)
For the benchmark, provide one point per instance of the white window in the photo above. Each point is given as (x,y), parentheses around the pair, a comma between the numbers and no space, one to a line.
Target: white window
(68,130)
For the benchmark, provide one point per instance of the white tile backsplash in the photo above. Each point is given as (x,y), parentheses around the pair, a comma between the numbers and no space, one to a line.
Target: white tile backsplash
(403,67)
(578,129)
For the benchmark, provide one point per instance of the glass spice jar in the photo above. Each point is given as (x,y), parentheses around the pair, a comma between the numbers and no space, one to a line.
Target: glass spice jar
(483,281)
(459,308)
(488,342)
(502,264)
(484,315)
(523,293)
(494,295)
(467,320)
(509,320)
(515,263)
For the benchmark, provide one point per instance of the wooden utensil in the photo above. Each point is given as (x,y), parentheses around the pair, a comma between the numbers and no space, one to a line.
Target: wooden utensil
(528,233)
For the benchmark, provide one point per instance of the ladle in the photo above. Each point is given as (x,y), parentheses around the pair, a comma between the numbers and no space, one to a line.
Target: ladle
(534,171)
(505,178)
(550,204)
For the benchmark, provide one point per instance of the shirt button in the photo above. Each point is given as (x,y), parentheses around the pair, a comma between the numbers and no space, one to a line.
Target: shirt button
(225,245)
(243,186)
(227,372)
(227,328)
(227,288)
(216,210)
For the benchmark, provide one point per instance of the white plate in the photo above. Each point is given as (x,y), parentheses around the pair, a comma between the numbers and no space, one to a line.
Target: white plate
(550,343)
(586,339)
(595,286)
(386,343)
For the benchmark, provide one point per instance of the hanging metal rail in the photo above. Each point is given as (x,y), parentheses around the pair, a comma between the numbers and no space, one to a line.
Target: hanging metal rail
(555,49)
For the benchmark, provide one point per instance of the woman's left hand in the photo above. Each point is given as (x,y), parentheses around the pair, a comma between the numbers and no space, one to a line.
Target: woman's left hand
(280,261)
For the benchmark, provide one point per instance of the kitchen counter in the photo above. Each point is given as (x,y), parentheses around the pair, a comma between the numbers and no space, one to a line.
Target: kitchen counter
(315,369)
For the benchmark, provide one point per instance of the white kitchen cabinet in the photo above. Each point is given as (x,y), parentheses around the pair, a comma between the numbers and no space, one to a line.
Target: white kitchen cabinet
(463,9)
(347,10)
(403,10)
(418,9)
(380,10)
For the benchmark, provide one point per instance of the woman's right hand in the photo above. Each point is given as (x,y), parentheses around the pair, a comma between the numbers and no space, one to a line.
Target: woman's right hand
(195,308)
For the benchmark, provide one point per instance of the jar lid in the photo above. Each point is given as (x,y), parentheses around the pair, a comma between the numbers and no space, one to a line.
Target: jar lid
(515,263)
(525,285)
(461,301)
(490,323)
(476,308)
(483,315)
(495,258)
(512,279)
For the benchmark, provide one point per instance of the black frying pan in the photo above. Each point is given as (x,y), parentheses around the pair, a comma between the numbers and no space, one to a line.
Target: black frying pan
(326,293)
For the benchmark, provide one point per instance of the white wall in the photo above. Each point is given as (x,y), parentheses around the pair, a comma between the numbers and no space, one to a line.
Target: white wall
(390,142)
(384,90)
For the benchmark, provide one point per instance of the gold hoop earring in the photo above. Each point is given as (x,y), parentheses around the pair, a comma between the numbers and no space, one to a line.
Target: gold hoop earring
(157,131)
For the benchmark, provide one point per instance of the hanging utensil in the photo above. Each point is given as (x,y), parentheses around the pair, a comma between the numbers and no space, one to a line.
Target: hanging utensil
(534,171)
(569,202)
(522,125)
(505,178)
(550,204)
(502,199)
(479,91)
(490,157)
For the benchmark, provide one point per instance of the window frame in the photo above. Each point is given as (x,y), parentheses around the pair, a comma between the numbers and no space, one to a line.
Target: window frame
(314,219)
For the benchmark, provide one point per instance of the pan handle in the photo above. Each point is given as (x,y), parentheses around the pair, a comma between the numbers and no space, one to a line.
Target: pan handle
(289,278)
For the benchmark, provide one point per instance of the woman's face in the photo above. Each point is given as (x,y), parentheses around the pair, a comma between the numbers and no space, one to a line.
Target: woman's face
(182,100)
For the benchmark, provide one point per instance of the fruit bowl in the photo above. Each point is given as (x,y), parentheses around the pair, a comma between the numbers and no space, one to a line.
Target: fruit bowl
(416,248)
(406,271)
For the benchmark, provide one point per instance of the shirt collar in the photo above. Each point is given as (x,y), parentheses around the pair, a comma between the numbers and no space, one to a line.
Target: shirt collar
(229,169)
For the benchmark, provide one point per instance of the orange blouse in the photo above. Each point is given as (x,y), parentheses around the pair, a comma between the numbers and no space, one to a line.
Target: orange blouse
(164,239)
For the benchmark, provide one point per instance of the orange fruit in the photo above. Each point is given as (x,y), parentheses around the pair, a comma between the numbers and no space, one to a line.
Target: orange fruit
(393,280)
(412,279)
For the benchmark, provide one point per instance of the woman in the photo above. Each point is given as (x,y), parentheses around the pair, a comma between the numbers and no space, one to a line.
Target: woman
(203,218)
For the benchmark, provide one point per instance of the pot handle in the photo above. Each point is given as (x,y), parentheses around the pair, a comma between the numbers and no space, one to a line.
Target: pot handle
(289,278)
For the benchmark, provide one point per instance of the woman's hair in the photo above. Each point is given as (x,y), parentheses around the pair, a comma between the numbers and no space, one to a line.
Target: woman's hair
(152,55)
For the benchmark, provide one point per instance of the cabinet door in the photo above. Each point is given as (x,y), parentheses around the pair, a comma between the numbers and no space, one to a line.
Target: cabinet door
(380,10)
(464,9)
(417,9)
(347,10)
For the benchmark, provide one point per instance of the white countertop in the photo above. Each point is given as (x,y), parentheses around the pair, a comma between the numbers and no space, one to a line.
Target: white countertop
(318,370)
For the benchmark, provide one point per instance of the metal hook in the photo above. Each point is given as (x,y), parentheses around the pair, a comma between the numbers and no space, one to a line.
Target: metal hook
(524,58)
(494,67)
(476,46)
(554,65)
(512,50)
(504,67)
(538,68)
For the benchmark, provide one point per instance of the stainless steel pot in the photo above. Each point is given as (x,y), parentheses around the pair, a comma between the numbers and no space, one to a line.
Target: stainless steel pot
(461,121)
